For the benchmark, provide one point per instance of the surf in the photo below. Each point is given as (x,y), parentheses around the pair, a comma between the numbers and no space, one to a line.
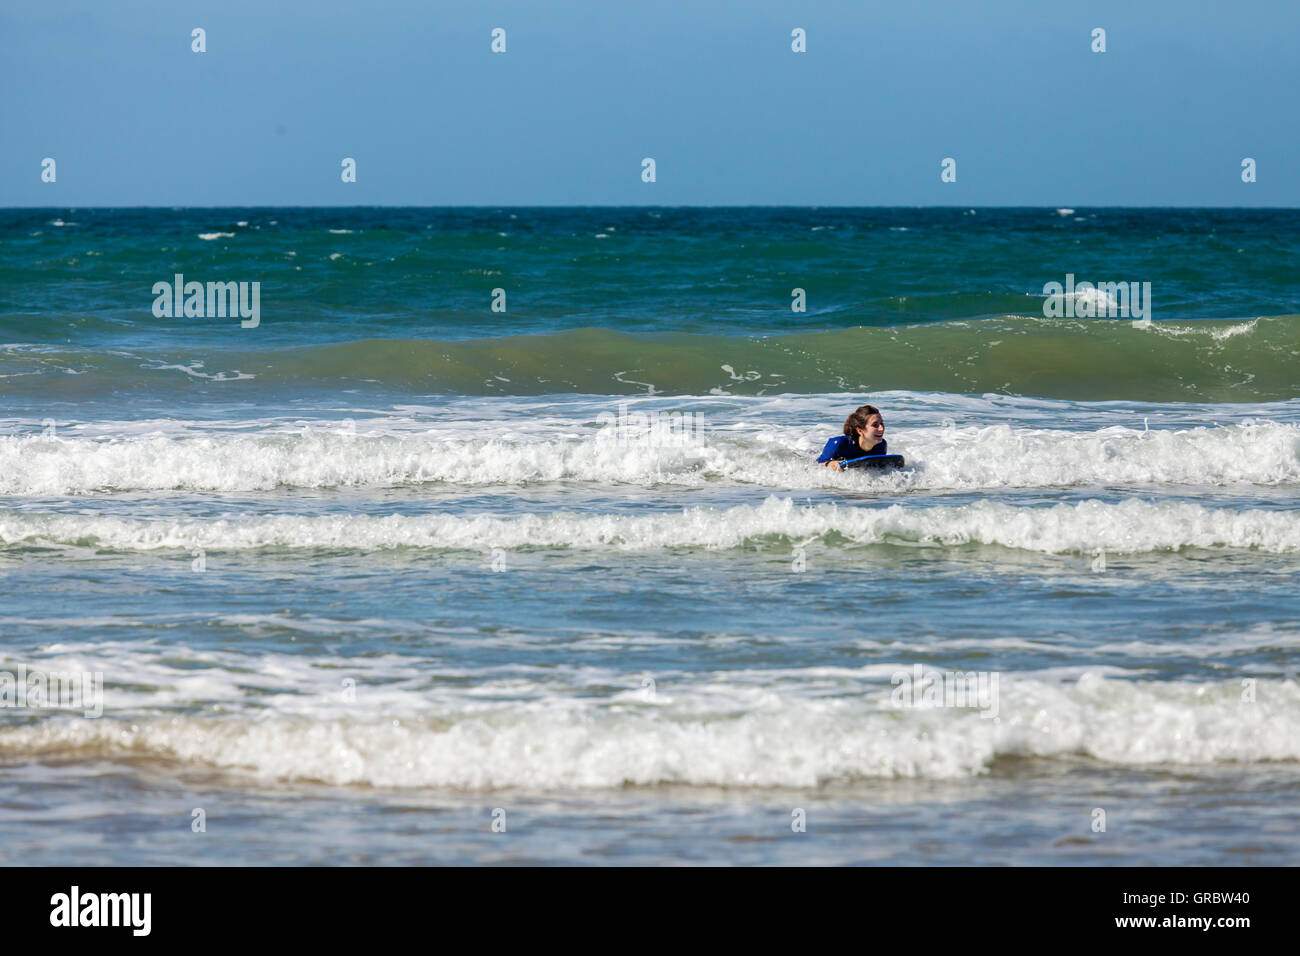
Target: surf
(641,449)
(1132,526)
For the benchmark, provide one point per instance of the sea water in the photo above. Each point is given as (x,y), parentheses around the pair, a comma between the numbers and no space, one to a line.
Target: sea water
(395,577)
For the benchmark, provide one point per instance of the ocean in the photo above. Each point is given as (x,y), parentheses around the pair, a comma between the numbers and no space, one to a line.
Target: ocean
(494,537)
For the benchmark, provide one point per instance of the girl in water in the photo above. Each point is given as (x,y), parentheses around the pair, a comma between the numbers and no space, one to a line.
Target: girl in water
(864,434)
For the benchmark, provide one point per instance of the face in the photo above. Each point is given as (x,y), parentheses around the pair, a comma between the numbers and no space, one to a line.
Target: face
(874,431)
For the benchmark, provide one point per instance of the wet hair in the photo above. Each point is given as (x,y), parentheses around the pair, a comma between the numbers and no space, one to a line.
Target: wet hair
(859,419)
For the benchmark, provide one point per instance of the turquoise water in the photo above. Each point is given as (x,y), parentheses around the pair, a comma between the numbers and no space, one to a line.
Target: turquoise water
(390,561)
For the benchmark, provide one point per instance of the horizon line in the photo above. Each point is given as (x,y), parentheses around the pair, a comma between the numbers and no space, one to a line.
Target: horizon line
(168,206)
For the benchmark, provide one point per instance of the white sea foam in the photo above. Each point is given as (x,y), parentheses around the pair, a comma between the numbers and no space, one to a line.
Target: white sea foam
(1218,335)
(209,236)
(952,458)
(1100,301)
(719,734)
(1130,527)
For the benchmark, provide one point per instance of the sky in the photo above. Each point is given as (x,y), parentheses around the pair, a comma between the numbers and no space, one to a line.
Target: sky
(712,91)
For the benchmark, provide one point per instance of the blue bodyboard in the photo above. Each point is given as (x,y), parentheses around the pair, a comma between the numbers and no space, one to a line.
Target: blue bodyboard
(874,461)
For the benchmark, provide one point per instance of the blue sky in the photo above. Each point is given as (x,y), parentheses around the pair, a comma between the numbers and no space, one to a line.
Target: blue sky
(710,90)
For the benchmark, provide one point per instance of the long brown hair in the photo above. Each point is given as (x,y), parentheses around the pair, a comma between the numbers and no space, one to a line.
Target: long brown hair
(859,419)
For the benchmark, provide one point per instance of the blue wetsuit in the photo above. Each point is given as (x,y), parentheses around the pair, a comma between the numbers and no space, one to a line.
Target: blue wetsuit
(844,448)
